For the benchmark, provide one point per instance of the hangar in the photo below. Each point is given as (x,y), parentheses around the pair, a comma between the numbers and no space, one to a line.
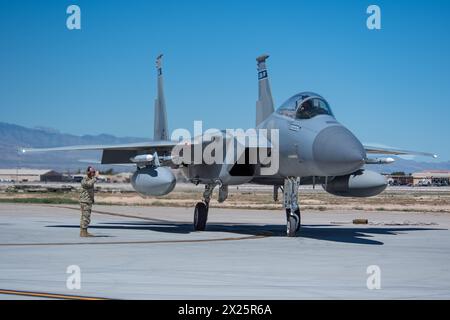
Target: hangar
(425,178)
(30,175)
(431,178)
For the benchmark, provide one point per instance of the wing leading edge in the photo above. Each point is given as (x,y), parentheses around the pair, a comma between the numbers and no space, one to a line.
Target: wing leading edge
(128,146)
(115,154)
(382,150)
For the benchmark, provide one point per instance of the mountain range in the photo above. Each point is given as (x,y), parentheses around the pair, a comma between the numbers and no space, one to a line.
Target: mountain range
(13,137)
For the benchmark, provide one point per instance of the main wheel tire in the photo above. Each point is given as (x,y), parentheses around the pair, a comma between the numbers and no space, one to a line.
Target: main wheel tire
(200,216)
(291,226)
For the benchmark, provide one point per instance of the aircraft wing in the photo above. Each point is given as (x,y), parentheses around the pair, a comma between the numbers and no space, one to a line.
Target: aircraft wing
(123,153)
(128,146)
(382,150)
(116,154)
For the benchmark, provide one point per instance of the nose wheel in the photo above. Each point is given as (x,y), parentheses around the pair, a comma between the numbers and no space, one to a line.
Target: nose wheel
(293,222)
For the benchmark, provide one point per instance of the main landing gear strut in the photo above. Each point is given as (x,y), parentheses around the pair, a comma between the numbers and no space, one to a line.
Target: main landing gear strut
(201,208)
(290,197)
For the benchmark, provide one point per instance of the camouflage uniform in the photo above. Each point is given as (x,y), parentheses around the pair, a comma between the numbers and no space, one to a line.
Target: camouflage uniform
(86,200)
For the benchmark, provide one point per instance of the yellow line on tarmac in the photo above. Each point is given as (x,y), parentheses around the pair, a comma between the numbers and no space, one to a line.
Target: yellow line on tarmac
(48,295)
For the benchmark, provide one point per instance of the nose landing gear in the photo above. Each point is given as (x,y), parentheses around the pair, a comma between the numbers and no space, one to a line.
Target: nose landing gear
(290,195)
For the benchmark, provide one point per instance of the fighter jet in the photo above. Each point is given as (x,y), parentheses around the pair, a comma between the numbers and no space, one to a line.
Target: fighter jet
(312,147)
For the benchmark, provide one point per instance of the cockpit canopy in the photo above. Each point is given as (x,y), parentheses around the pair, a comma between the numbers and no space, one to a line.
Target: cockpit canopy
(305,105)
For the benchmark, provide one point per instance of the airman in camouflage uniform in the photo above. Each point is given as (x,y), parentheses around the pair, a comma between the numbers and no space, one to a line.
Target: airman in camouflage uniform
(86,200)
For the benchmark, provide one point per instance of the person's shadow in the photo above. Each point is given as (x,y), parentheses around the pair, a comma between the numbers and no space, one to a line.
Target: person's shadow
(335,233)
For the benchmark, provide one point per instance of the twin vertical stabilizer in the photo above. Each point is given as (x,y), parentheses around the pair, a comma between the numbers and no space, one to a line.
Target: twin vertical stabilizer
(264,105)
(160,120)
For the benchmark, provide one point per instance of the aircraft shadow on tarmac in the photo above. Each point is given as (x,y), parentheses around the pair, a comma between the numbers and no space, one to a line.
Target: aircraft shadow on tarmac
(336,233)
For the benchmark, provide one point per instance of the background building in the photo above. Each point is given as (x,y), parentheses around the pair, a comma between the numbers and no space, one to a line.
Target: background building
(30,175)
(400,179)
(436,178)
(432,178)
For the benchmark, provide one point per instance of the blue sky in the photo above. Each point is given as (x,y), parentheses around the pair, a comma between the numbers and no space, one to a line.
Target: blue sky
(389,87)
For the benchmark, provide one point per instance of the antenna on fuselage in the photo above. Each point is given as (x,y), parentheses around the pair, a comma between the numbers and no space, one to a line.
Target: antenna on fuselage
(264,105)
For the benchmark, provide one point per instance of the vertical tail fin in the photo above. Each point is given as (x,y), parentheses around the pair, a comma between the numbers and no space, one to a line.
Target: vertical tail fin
(160,119)
(264,105)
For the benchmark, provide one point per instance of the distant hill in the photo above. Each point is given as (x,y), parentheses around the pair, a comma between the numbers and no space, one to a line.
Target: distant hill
(13,137)
(409,166)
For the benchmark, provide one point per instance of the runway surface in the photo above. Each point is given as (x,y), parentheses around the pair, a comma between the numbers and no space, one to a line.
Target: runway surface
(153,253)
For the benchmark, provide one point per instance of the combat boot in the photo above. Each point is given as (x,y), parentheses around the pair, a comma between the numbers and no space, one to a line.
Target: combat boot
(85,233)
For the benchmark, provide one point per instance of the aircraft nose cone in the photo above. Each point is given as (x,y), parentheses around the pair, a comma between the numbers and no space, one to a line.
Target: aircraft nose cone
(337,151)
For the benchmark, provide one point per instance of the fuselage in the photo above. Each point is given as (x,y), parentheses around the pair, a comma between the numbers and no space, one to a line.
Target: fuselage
(311,143)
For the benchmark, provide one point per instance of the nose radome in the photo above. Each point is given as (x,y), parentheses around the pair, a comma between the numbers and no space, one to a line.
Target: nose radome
(337,151)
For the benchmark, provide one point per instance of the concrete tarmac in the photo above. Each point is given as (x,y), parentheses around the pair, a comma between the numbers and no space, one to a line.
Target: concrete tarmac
(153,253)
